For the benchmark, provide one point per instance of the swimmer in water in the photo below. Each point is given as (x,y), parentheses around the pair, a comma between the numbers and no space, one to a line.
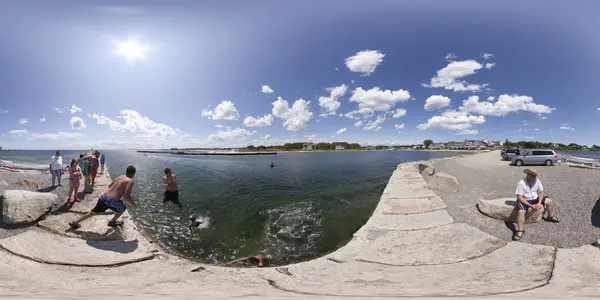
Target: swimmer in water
(261,260)
(194,223)
(272,164)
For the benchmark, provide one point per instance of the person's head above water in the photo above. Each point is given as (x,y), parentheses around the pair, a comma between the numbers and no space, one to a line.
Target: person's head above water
(167,171)
(130,172)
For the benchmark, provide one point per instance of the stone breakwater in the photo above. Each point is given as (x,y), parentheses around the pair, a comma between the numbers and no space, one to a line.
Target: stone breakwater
(410,246)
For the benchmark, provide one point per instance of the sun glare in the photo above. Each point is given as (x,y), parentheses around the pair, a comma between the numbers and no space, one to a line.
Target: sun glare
(132,50)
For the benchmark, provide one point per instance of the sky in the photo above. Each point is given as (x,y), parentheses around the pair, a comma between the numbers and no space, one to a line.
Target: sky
(162,74)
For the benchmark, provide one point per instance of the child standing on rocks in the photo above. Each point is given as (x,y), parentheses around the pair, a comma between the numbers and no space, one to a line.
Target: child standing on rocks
(74,178)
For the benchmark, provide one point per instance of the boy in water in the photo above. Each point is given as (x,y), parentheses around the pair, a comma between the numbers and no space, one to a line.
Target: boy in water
(256,258)
(172,189)
(111,199)
(194,223)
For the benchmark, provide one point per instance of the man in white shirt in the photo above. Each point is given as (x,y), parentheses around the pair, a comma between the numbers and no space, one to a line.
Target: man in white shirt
(530,195)
(56,166)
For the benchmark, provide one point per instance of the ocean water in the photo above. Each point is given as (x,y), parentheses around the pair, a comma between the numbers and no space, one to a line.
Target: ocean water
(585,154)
(309,204)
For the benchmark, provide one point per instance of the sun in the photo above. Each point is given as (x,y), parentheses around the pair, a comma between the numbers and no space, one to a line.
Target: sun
(131,50)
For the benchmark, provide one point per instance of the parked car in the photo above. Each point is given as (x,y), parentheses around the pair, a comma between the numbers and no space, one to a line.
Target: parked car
(509,153)
(536,157)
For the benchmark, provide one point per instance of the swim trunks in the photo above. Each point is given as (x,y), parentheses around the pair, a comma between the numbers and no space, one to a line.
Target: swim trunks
(520,206)
(105,203)
(56,172)
(171,196)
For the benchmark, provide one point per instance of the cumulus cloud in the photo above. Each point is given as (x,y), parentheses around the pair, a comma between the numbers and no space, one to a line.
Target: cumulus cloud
(487,56)
(375,124)
(359,123)
(436,102)
(58,110)
(378,100)
(266,89)
(265,121)
(331,104)
(267,137)
(566,127)
(56,135)
(42,119)
(489,65)
(18,132)
(234,134)
(219,126)
(136,123)
(453,120)
(357,114)
(23,121)
(399,126)
(598,108)
(343,130)
(529,137)
(77,123)
(468,132)
(399,113)
(295,117)
(224,111)
(75,109)
(505,105)
(450,76)
(365,62)
(3,111)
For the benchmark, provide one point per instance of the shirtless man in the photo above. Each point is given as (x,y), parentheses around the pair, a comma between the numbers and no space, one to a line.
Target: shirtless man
(172,192)
(111,199)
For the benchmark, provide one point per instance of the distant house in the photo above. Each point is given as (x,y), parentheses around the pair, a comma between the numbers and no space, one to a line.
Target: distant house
(308,147)
(339,147)
(437,146)
(417,147)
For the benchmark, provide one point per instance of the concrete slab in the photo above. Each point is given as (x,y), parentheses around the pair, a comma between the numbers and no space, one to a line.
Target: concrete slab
(515,267)
(407,174)
(62,250)
(382,223)
(405,206)
(504,209)
(576,272)
(446,244)
(95,228)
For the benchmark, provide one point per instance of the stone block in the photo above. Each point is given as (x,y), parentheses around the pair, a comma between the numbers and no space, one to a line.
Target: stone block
(23,207)
(443,182)
(504,209)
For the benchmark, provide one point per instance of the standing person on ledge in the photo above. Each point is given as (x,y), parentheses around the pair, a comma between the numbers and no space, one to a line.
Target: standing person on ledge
(102,160)
(56,166)
(111,199)
(95,164)
(74,179)
(530,195)
(172,189)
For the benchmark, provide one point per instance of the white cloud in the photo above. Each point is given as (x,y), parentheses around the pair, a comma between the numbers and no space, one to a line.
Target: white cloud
(267,137)
(75,109)
(468,132)
(357,114)
(219,126)
(489,65)
(296,117)
(453,120)
(450,76)
(536,129)
(337,69)
(399,126)
(6,111)
(234,134)
(378,100)
(598,108)
(56,136)
(399,113)
(331,104)
(506,104)
(77,123)
(352,81)
(375,124)
(436,102)
(529,137)
(224,111)
(491,98)
(566,127)
(365,62)
(265,121)
(487,56)
(58,110)
(541,117)
(451,57)
(343,130)
(266,89)
(18,132)
(43,120)
(23,121)
(359,123)
(134,122)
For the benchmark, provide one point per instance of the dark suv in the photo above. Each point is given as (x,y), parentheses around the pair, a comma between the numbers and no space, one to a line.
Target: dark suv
(509,153)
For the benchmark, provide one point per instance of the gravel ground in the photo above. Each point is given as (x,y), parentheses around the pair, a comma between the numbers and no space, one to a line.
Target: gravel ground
(13,180)
(484,176)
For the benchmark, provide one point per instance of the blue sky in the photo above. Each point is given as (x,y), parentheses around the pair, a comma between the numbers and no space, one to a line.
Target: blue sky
(383,68)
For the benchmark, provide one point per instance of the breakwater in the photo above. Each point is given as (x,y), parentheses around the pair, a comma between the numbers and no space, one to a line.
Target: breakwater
(207,153)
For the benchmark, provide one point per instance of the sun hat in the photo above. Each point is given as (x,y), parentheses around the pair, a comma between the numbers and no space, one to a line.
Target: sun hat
(531,171)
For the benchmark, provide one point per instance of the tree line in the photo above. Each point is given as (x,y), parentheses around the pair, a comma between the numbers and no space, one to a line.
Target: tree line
(556,146)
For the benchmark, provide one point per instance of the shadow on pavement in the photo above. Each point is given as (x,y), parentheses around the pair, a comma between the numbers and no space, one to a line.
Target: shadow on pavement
(596,214)
(47,189)
(115,246)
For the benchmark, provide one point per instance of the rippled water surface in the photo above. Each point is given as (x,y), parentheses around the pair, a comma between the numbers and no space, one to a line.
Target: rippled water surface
(307,205)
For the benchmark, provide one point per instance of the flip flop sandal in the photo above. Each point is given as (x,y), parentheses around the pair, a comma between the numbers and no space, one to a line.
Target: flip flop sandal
(552,219)
(516,236)
(75,226)
(117,223)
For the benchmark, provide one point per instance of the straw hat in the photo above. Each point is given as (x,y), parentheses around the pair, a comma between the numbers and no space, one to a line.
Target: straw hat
(531,171)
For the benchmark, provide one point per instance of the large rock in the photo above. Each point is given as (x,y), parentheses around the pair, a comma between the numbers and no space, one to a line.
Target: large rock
(32,184)
(504,209)
(443,182)
(23,207)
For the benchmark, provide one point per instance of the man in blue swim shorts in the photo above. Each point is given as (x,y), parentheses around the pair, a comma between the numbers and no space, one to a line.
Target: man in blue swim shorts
(119,189)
